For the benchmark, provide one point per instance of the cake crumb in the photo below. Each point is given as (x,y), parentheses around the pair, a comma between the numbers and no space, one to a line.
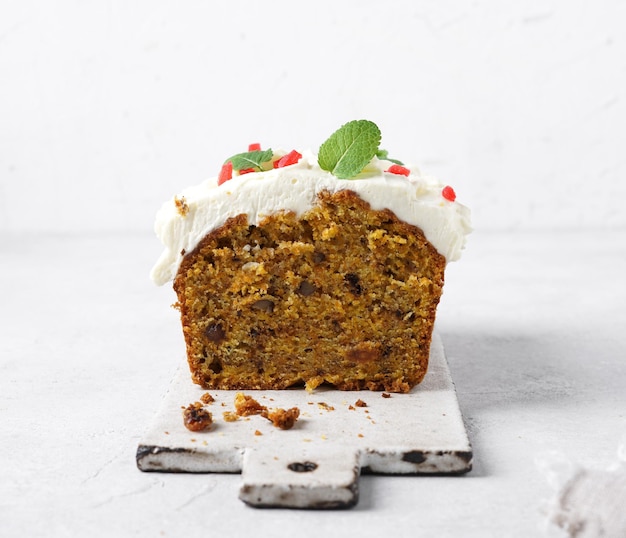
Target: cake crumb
(360,403)
(386,395)
(257,432)
(229,416)
(207,398)
(196,418)
(181,206)
(246,405)
(324,405)
(282,418)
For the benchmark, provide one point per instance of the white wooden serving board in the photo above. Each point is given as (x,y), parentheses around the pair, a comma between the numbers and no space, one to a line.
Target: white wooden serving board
(317,463)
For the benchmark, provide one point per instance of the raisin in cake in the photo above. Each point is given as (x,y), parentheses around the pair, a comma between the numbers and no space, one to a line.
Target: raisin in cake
(288,274)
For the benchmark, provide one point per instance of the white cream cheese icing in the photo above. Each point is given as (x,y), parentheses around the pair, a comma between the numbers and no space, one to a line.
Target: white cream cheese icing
(416,199)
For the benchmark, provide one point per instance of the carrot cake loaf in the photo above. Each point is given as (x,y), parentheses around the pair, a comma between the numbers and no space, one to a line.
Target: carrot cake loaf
(297,269)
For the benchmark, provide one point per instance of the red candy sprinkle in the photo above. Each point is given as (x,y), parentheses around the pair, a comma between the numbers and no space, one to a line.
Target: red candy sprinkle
(291,158)
(226,173)
(448,193)
(254,147)
(397,169)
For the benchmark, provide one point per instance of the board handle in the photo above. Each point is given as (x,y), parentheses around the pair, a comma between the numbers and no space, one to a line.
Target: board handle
(317,478)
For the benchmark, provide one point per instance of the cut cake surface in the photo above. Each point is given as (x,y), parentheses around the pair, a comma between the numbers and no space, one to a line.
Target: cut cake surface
(342,294)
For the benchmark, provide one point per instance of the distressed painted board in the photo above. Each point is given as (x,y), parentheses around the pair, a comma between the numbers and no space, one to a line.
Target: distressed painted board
(317,463)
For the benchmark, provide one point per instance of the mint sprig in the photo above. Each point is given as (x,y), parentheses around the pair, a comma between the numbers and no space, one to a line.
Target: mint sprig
(251,159)
(349,149)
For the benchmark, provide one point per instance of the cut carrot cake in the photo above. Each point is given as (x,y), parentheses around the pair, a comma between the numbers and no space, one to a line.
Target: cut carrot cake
(295,269)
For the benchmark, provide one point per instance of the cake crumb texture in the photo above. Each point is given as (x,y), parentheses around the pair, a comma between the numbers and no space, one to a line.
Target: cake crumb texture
(343,295)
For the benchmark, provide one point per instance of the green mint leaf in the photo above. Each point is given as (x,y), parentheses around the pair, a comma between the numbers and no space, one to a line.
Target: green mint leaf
(383,154)
(251,159)
(349,148)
